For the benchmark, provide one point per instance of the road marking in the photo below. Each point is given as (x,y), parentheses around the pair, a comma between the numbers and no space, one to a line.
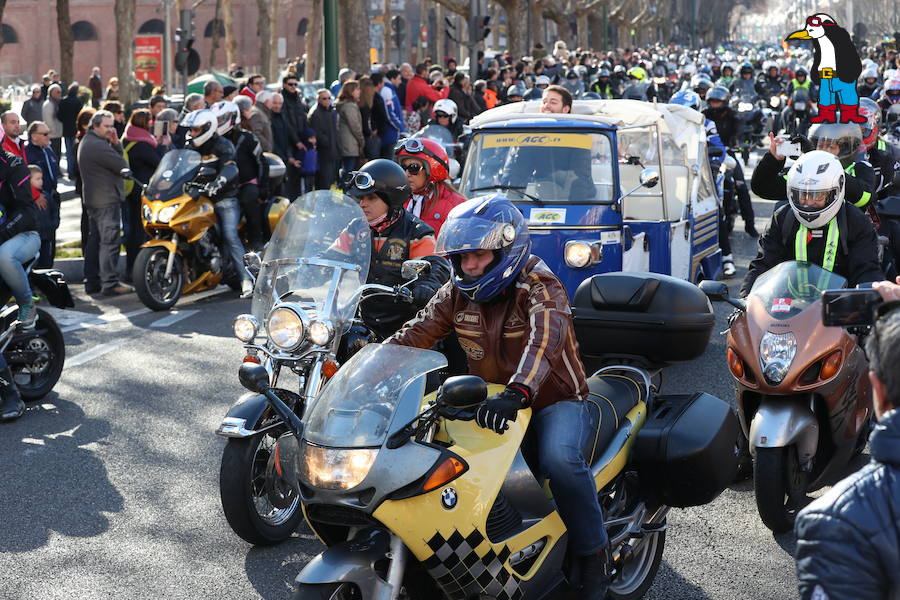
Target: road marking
(96,352)
(104,319)
(173,318)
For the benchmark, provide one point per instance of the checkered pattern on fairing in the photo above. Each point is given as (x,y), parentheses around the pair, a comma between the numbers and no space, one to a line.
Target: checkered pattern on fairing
(462,571)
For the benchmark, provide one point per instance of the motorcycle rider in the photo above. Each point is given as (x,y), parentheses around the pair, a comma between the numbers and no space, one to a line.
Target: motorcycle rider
(727,76)
(816,225)
(717,152)
(745,85)
(868,83)
(252,169)
(445,113)
(771,81)
(382,189)
(801,80)
(513,319)
(603,86)
(884,166)
(218,153)
(640,87)
(718,111)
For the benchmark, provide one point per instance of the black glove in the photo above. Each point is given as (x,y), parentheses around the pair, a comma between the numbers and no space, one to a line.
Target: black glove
(212,188)
(404,294)
(734,315)
(496,412)
(805,144)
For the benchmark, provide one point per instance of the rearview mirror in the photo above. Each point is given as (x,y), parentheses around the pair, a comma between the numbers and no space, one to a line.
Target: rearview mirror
(252,263)
(412,268)
(714,290)
(462,391)
(649,178)
(254,377)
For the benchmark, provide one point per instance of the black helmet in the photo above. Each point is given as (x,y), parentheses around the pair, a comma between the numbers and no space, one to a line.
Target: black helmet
(384,178)
(746,67)
(718,93)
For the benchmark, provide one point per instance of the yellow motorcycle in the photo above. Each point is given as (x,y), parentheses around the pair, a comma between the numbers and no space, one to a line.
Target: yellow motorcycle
(183,255)
(414,500)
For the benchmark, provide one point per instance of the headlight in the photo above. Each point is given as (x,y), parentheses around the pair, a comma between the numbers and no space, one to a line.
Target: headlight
(245,328)
(776,353)
(775,101)
(146,212)
(320,332)
(581,254)
(799,105)
(285,327)
(336,468)
(745,106)
(165,215)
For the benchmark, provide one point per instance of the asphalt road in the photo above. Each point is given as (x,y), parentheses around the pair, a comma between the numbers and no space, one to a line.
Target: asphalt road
(111,482)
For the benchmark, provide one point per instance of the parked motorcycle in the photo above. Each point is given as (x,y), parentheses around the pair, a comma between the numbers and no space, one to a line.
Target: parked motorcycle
(35,356)
(409,494)
(184,254)
(803,396)
(308,286)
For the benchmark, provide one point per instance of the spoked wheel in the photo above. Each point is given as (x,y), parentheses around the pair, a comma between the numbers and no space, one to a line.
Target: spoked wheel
(36,357)
(245,493)
(155,290)
(780,487)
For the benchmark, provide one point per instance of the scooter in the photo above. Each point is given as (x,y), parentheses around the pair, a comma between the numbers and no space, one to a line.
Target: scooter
(414,500)
(803,397)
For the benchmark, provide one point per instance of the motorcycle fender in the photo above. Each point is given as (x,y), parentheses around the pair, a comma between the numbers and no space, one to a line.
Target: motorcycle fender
(52,284)
(781,422)
(352,561)
(244,416)
(167,244)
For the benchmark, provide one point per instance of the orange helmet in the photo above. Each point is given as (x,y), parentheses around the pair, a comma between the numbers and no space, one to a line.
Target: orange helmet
(431,152)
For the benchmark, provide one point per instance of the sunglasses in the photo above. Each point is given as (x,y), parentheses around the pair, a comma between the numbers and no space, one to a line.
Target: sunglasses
(416,146)
(291,84)
(44,133)
(441,115)
(413,168)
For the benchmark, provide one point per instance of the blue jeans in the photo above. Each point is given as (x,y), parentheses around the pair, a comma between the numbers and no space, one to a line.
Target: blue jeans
(559,433)
(834,91)
(228,211)
(19,249)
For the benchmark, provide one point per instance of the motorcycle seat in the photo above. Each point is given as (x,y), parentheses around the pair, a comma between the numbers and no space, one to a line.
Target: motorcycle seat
(611,395)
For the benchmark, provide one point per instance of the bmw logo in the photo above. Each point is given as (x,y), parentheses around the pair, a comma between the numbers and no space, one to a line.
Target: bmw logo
(448,498)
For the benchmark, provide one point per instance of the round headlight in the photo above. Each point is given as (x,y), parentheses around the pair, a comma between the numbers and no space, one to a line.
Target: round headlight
(320,332)
(285,328)
(578,255)
(147,212)
(165,215)
(245,328)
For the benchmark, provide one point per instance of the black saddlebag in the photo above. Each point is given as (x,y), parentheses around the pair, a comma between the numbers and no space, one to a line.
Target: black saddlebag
(686,452)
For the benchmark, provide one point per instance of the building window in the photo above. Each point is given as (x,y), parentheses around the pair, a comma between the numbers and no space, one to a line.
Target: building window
(153,26)
(9,34)
(218,24)
(302,26)
(83,31)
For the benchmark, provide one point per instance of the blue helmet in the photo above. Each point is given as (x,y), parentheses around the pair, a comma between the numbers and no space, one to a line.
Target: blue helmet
(686,98)
(486,223)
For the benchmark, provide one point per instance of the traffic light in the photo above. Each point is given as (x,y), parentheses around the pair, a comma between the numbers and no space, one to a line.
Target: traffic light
(187,60)
(398,25)
(187,25)
(484,30)
(478,27)
(450,30)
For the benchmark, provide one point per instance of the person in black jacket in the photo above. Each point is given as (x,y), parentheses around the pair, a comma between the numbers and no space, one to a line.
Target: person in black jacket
(323,120)
(140,147)
(817,226)
(848,541)
(69,107)
(294,111)
(382,188)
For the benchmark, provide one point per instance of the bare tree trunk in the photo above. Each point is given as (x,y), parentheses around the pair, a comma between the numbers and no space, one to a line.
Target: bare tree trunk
(516,26)
(230,42)
(273,51)
(264,27)
(386,18)
(215,36)
(2,8)
(584,29)
(66,42)
(124,12)
(356,31)
(314,42)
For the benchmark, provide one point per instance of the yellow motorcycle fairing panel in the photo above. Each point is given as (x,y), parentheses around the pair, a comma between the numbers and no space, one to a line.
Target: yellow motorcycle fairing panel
(194,218)
(206,281)
(167,244)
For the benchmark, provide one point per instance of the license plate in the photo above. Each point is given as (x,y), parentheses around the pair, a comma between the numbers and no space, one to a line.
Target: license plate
(800,106)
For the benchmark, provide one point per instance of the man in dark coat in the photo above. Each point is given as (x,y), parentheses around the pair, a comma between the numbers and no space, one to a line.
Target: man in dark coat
(294,114)
(69,107)
(323,120)
(95,84)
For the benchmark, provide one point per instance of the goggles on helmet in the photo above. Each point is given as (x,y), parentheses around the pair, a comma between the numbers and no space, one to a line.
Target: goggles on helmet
(362,180)
(416,146)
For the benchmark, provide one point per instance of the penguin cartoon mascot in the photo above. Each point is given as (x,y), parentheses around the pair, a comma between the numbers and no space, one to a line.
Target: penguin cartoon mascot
(836,67)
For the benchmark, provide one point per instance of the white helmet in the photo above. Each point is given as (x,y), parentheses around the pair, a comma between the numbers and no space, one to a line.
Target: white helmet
(203,119)
(227,114)
(816,176)
(446,105)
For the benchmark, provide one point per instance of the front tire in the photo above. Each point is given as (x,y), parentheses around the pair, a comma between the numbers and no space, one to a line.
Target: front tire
(242,489)
(155,290)
(780,487)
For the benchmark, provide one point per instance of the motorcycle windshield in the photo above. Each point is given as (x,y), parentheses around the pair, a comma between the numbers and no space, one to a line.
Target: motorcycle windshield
(176,168)
(356,408)
(437,133)
(318,256)
(801,95)
(793,286)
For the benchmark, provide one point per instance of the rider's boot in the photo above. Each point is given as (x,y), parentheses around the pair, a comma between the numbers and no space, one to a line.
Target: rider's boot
(11,405)
(728,269)
(826,114)
(596,573)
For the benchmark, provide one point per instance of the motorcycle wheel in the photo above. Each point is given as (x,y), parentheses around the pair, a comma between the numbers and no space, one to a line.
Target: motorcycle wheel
(36,357)
(636,576)
(327,591)
(150,282)
(780,487)
(242,479)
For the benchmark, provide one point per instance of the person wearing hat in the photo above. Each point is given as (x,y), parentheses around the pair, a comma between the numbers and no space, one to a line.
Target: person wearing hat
(513,94)
(229,91)
(541,83)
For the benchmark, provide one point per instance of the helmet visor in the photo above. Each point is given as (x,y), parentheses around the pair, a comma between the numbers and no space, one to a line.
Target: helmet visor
(473,233)
(811,203)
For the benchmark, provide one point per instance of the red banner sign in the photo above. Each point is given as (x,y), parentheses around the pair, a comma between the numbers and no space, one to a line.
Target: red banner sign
(148,58)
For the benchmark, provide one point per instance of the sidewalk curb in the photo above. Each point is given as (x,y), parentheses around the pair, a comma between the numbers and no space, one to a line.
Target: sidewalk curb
(73,268)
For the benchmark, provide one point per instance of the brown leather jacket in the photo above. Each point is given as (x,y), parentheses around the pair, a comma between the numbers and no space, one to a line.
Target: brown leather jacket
(524,336)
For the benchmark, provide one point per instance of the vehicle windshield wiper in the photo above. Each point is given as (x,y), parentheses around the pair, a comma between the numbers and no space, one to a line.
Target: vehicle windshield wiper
(515,188)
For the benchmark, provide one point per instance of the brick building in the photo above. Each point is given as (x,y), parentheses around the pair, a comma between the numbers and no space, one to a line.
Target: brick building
(32,45)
